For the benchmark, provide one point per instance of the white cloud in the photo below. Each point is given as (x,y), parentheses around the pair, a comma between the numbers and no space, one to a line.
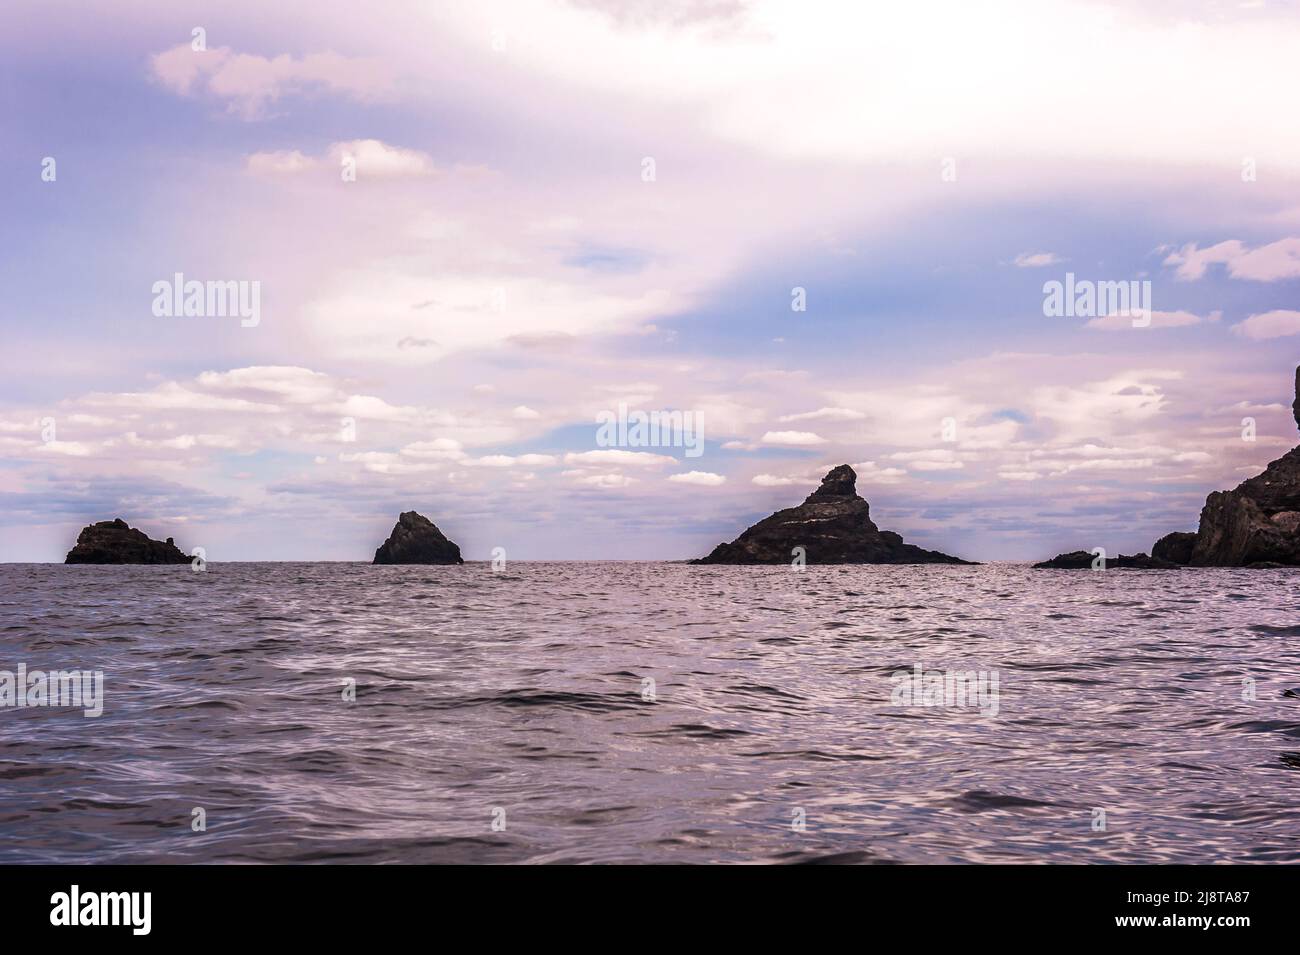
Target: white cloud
(378,160)
(510,461)
(772,480)
(1119,322)
(173,396)
(371,313)
(1123,400)
(869,471)
(779,59)
(1034,260)
(825,414)
(282,382)
(443,449)
(536,460)
(604,481)
(936,459)
(524,413)
(370,159)
(792,438)
(699,478)
(249,83)
(283,162)
(1103,464)
(1266,263)
(76,449)
(1275,324)
(618,458)
(370,406)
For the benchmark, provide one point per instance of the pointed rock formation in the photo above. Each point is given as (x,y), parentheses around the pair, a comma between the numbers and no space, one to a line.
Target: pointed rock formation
(1257,524)
(833,526)
(115,542)
(416,540)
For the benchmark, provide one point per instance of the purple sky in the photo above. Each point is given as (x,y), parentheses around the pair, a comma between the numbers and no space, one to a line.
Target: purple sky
(442,333)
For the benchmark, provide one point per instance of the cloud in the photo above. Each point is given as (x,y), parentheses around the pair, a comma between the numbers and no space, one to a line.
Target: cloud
(524,413)
(77,449)
(792,438)
(510,461)
(1034,260)
(1120,322)
(370,159)
(936,459)
(370,313)
(772,480)
(1275,324)
(442,449)
(174,396)
(698,478)
(260,382)
(779,61)
(870,472)
(250,84)
(1126,400)
(1266,263)
(603,481)
(825,414)
(283,162)
(378,160)
(618,458)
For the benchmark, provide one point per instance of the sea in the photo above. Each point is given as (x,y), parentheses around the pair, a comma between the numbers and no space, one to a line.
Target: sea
(639,712)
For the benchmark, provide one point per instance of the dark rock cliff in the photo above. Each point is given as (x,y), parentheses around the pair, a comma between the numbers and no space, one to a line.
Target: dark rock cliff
(1256,524)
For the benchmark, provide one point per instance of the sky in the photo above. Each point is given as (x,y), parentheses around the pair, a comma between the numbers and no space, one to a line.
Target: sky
(824,231)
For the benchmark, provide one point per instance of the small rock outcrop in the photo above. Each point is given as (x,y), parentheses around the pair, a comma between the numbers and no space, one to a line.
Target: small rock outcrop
(116,542)
(1175,548)
(1083,560)
(1256,524)
(416,540)
(833,526)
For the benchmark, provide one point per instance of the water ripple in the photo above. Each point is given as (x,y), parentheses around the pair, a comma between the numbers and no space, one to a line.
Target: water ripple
(651,712)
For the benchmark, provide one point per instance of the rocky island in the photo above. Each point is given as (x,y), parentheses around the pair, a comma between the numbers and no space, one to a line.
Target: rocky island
(115,542)
(833,526)
(416,540)
(1084,559)
(1256,524)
